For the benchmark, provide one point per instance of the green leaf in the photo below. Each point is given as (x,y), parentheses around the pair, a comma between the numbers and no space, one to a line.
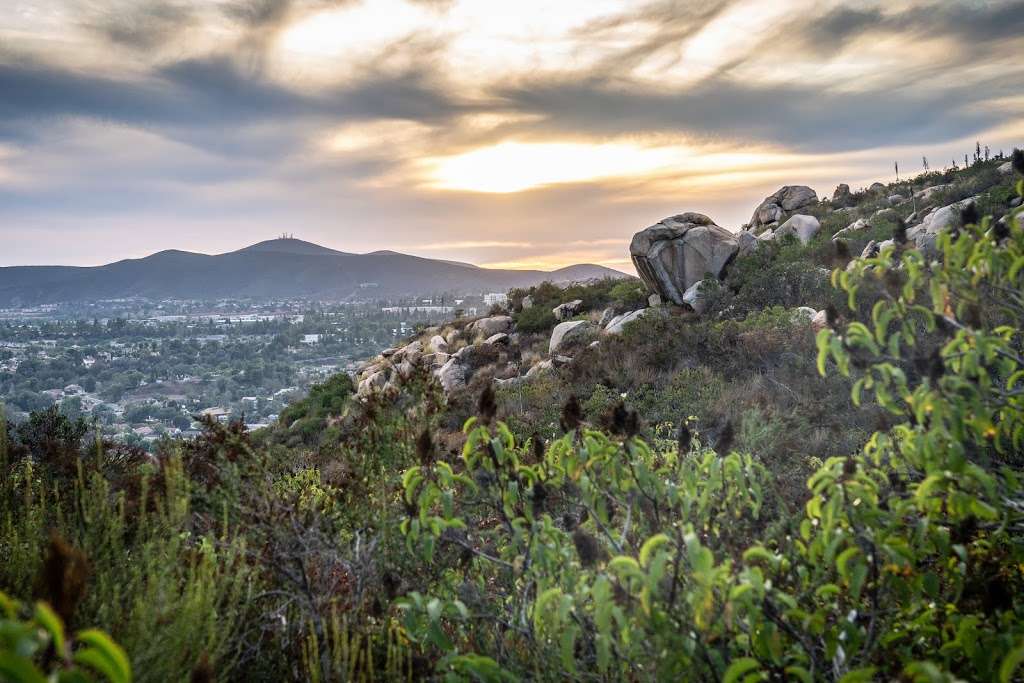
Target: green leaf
(15,668)
(110,650)
(739,668)
(1010,664)
(649,546)
(49,620)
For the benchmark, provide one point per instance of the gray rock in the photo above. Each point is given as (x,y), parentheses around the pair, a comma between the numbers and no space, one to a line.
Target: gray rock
(654,300)
(804,227)
(785,200)
(841,193)
(1006,167)
(568,309)
(856,226)
(606,316)
(928,193)
(487,327)
(877,187)
(566,332)
(679,251)
(527,302)
(451,375)
(437,344)
(895,198)
(500,338)
(1015,202)
(374,382)
(696,296)
(616,324)
(746,243)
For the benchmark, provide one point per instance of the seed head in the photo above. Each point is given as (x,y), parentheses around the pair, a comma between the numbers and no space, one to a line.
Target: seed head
(969,215)
(487,407)
(683,438)
(572,414)
(899,233)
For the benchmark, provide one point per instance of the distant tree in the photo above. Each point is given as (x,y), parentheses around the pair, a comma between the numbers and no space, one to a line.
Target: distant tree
(924,162)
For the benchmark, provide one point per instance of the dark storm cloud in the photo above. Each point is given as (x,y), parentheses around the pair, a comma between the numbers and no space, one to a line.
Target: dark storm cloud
(971,25)
(146,26)
(804,118)
(214,91)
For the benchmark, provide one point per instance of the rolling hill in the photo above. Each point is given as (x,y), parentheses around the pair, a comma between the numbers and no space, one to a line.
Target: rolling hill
(280,268)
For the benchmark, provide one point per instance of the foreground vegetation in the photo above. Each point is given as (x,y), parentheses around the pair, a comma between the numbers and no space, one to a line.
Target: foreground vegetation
(725,498)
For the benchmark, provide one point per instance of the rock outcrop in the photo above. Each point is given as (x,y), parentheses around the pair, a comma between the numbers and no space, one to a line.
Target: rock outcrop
(801,226)
(487,327)
(567,332)
(678,252)
(784,201)
(856,226)
(568,309)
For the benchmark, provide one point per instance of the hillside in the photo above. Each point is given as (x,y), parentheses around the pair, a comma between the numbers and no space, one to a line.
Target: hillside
(789,452)
(283,268)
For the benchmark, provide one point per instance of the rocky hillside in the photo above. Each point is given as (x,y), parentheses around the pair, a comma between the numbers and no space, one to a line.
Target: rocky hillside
(770,458)
(766,285)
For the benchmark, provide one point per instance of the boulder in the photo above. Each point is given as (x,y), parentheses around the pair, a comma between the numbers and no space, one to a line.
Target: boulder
(927,193)
(679,251)
(500,338)
(804,227)
(374,382)
(935,222)
(877,187)
(566,332)
(616,324)
(841,195)
(527,302)
(895,198)
(695,297)
(856,226)
(746,243)
(1006,167)
(437,344)
(654,300)
(785,200)
(606,316)
(487,327)
(568,309)
(819,321)
(451,375)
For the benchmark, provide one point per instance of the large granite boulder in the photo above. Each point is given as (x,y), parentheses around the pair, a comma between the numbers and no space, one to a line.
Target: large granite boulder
(785,200)
(487,327)
(679,251)
(569,331)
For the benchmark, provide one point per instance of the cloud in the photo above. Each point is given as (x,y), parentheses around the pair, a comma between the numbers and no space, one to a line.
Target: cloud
(146,26)
(186,112)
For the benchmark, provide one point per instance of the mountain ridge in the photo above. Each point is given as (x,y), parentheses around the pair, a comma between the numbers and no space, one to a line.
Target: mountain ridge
(280,268)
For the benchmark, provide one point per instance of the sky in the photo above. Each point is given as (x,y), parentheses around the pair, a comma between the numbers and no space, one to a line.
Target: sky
(525,134)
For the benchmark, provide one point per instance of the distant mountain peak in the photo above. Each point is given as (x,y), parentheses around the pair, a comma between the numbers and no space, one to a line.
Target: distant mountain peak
(289,245)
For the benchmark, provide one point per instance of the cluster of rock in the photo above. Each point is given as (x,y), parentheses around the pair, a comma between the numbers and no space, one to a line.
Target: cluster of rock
(678,259)
(787,200)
